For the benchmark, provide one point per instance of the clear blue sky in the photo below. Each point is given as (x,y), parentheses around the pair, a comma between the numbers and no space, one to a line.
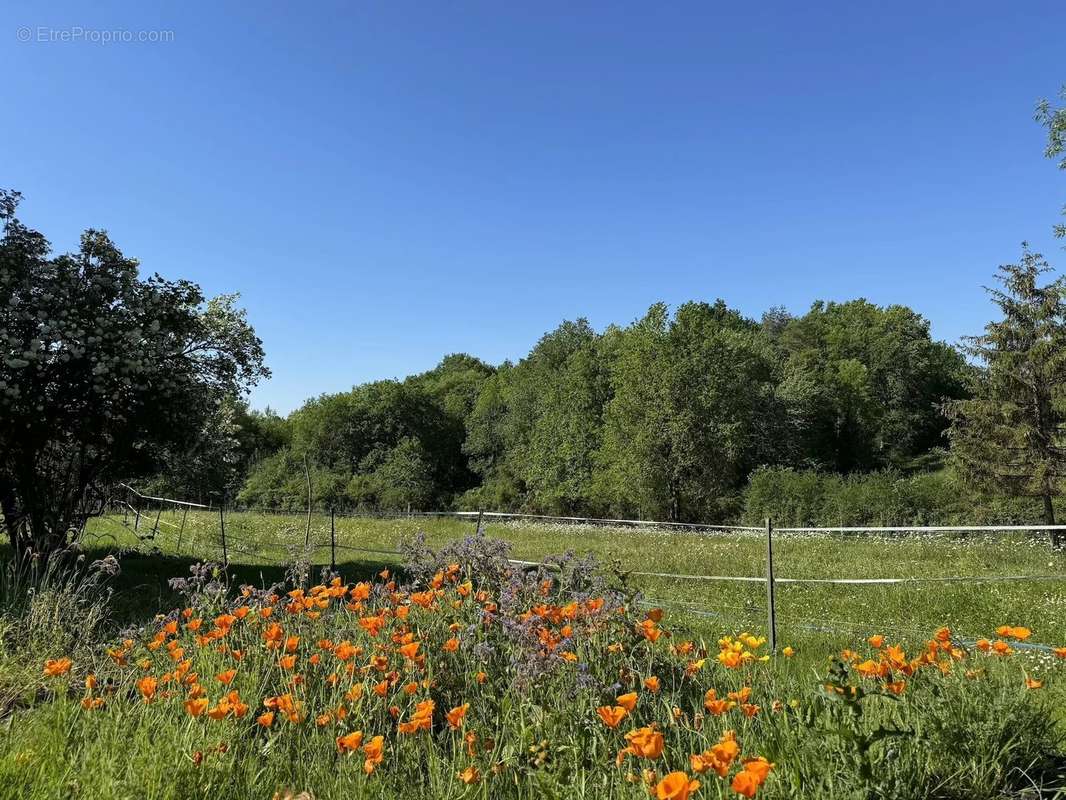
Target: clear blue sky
(388,182)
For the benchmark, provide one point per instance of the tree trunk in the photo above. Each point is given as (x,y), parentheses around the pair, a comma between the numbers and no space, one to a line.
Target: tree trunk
(1049,519)
(12,516)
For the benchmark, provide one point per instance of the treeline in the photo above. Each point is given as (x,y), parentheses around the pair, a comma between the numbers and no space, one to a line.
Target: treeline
(666,418)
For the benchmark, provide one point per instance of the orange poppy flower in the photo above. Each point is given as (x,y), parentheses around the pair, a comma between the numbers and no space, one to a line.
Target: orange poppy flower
(745,783)
(350,742)
(147,687)
(876,641)
(719,758)
(54,667)
(649,630)
(451,645)
(456,715)
(196,706)
(652,684)
(469,775)
(287,662)
(1033,683)
(374,751)
(265,720)
(675,786)
(611,715)
(627,701)
(1060,652)
(226,677)
(645,742)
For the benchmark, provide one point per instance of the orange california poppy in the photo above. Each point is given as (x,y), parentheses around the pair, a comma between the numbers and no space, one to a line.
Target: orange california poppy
(675,786)
(627,701)
(611,715)
(374,752)
(350,742)
(456,715)
(645,742)
(147,687)
(54,667)
(469,775)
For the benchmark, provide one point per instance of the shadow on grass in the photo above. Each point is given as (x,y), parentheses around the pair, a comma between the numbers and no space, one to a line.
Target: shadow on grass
(142,589)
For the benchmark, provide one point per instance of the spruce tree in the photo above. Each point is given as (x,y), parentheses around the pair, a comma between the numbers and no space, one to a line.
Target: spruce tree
(1010,436)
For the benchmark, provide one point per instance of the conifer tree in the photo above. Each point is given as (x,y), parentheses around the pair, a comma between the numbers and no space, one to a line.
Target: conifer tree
(1010,436)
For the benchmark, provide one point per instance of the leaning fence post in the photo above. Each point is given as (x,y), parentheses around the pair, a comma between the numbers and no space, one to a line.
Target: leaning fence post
(771,609)
(137,519)
(332,540)
(480,517)
(222,528)
(181,530)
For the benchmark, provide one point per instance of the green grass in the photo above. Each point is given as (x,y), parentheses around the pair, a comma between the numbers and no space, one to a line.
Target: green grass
(947,737)
(808,616)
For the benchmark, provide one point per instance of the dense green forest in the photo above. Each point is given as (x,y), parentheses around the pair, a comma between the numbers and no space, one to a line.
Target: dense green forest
(665,418)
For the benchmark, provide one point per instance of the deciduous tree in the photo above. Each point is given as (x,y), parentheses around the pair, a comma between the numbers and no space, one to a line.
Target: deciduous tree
(101,372)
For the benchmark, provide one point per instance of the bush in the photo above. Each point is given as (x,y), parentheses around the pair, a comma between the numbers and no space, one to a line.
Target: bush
(808,498)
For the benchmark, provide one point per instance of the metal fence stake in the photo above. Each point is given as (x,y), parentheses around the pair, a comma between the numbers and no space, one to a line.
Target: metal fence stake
(332,540)
(771,609)
(222,527)
(480,518)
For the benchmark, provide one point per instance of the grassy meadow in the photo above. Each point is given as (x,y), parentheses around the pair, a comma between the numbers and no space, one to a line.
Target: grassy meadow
(820,614)
(486,681)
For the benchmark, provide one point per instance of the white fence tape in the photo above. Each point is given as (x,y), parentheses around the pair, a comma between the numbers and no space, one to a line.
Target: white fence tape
(163,499)
(855,581)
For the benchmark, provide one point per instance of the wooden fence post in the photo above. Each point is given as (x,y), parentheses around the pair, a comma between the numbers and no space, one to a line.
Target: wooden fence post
(181,530)
(332,540)
(480,518)
(222,528)
(770,599)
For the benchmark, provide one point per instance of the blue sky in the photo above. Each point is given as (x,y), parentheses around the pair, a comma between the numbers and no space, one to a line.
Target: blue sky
(388,182)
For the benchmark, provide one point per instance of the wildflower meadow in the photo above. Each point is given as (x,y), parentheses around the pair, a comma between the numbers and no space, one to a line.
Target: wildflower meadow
(455,672)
